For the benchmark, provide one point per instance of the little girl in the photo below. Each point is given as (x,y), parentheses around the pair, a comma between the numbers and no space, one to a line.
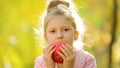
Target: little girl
(60,25)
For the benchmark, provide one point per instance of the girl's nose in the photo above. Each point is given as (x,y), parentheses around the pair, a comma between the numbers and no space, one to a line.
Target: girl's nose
(60,35)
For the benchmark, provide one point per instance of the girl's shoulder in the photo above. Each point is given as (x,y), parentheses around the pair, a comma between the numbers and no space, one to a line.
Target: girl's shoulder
(39,62)
(84,59)
(39,59)
(84,54)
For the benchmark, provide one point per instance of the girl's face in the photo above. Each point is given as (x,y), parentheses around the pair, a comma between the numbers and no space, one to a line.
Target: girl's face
(60,29)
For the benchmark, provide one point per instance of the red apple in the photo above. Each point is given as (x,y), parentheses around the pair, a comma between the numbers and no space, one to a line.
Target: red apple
(55,55)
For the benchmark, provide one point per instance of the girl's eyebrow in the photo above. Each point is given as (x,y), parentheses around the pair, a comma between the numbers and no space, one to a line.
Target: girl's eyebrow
(66,26)
(63,26)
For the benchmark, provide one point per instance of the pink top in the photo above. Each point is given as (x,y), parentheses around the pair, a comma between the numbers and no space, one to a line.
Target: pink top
(83,60)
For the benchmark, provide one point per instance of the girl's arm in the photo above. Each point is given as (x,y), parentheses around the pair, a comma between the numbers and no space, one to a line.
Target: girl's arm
(90,61)
(38,63)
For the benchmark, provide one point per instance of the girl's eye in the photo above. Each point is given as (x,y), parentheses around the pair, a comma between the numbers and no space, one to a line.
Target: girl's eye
(53,31)
(66,29)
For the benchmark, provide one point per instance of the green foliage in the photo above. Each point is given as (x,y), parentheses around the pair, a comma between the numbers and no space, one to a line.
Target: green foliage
(17,38)
(98,18)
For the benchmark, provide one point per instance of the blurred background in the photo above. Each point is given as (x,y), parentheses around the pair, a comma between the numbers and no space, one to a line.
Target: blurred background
(18,44)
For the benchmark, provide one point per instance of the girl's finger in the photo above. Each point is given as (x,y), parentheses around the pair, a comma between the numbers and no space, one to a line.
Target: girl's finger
(64,51)
(51,52)
(67,49)
(61,55)
(70,48)
(49,47)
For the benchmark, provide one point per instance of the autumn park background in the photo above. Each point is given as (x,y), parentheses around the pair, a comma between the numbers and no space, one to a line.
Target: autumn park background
(20,45)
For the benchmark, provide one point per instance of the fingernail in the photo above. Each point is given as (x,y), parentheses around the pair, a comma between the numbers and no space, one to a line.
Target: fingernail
(58,52)
(60,47)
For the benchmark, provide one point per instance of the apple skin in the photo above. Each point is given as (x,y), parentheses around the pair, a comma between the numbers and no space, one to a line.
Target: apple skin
(55,56)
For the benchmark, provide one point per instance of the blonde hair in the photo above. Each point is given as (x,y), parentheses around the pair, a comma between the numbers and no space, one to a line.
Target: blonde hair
(66,9)
(58,7)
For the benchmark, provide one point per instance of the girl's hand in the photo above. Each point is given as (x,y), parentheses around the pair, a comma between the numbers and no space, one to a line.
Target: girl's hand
(68,56)
(47,54)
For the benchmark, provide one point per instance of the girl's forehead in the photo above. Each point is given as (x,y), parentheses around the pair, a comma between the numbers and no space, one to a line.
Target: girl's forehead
(59,19)
(58,25)
(59,22)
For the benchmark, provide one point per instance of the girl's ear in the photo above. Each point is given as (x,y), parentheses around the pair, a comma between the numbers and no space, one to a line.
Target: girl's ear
(76,35)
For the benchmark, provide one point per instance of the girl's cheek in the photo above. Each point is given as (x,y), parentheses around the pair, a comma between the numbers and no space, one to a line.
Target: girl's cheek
(51,37)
